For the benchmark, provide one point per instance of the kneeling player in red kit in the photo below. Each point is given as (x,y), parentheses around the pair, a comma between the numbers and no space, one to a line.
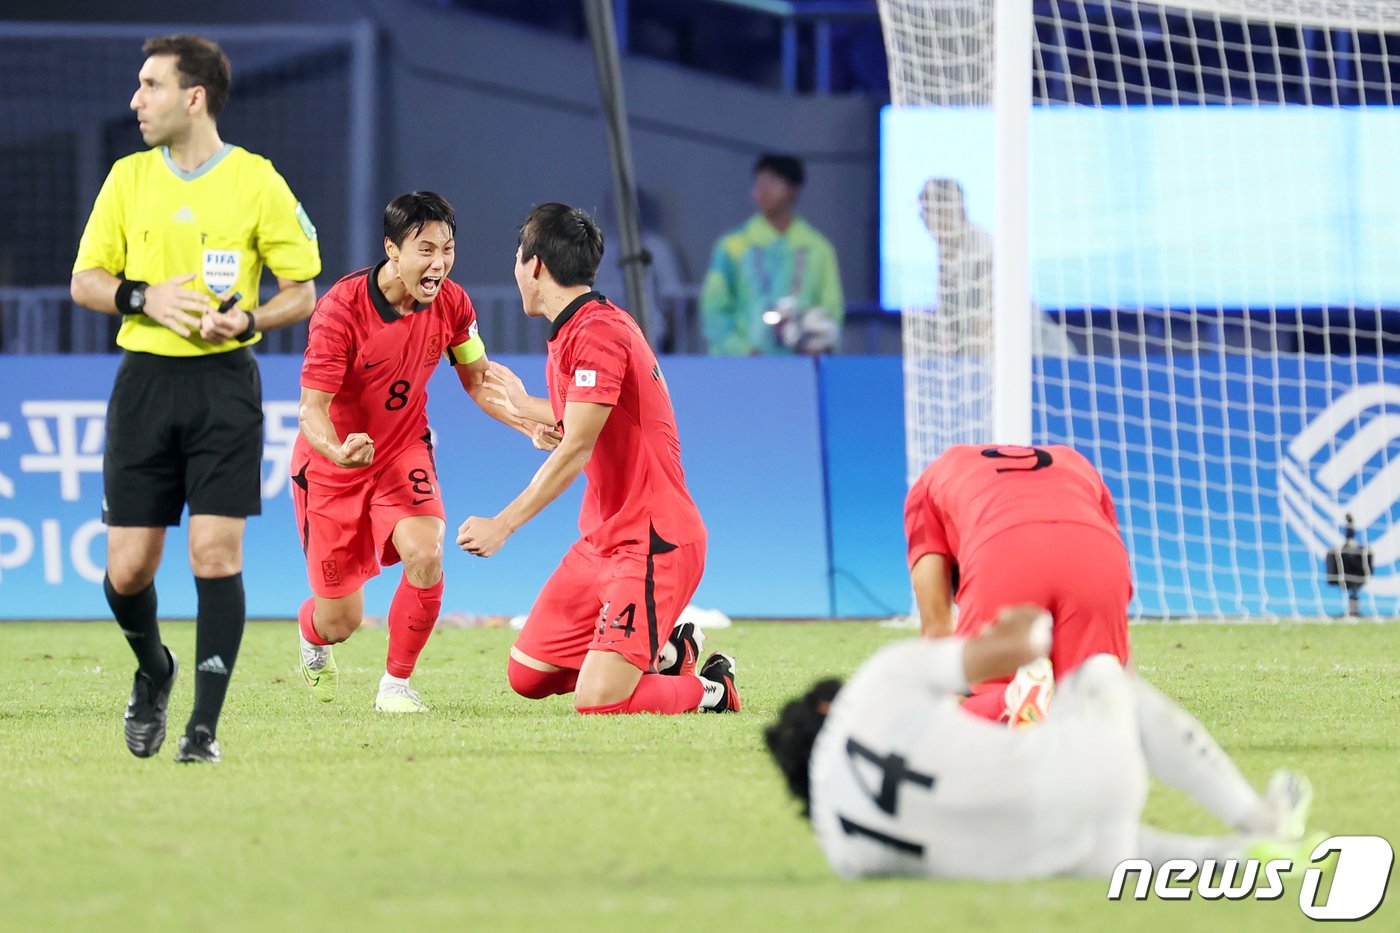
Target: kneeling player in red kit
(364,479)
(1006,525)
(602,627)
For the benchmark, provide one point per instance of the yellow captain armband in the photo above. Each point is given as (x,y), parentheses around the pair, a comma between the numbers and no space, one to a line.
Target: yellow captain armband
(468,351)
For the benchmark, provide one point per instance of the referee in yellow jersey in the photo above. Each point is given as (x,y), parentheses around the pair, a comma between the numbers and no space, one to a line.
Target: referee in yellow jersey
(177,233)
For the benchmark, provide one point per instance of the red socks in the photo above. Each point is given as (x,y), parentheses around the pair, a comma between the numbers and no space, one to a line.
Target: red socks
(654,693)
(306,618)
(412,615)
(536,685)
(657,693)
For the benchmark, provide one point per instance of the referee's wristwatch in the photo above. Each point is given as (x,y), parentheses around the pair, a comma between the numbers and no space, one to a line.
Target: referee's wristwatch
(136,301)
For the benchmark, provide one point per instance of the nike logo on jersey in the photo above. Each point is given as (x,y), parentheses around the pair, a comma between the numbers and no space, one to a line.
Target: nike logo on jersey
(421,501)
(372,365)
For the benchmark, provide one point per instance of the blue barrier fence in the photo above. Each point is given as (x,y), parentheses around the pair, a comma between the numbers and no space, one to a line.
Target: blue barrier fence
(1228,474)
(752,446)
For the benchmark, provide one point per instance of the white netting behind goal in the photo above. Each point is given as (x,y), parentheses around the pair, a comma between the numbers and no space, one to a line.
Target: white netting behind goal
(1215,226)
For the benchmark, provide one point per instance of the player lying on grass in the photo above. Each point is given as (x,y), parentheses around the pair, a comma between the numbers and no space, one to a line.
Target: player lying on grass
(365,484)
(898,779)
(996,526)
(601,625)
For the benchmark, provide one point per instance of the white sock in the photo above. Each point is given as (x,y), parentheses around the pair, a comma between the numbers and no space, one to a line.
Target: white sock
(390,679)
(714,694)
(1181,753)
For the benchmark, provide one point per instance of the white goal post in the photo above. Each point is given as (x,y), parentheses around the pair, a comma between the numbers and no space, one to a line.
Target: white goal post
(1167,235)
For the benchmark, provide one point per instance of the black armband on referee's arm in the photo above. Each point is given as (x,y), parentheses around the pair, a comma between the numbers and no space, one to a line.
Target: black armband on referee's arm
(250,331)
(125,290)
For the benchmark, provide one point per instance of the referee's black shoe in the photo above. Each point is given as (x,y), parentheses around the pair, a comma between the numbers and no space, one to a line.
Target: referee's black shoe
(145,711)
(199,744)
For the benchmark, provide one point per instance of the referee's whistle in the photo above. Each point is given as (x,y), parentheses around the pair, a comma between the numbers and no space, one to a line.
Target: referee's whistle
(230,301)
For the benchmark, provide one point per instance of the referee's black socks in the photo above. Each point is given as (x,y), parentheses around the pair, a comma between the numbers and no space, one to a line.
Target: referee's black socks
(136,614)
(218,634)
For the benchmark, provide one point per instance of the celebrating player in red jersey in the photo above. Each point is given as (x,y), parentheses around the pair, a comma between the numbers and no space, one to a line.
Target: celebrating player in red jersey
(365,482)
(1019,525)
(600,626)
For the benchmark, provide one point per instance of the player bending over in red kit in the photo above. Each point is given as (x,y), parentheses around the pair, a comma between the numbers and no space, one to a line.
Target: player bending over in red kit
(365,481)
(1005,525)
(601,627)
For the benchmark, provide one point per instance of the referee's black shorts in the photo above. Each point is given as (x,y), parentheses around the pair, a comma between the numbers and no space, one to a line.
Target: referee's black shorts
(183,430)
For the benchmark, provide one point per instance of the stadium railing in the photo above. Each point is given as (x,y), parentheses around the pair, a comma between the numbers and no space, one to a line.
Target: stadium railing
(806,34)
(44,320)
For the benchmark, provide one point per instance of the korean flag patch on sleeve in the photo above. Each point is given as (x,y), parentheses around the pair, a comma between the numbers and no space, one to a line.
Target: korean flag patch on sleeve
(585,378)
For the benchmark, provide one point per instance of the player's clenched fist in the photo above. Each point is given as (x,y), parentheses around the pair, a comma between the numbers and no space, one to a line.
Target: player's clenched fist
(355,451)
(482,536)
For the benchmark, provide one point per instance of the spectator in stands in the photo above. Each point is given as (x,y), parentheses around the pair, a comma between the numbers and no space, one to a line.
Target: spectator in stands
(964,249)
(773,284)
(965,252)
(661,272)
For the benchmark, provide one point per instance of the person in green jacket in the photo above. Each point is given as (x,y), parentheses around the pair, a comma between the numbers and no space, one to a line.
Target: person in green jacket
(773,286)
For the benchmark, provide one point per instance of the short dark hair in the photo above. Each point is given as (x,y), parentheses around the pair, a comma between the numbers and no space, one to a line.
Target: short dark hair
(409,213)
(792,734)
(938,191)
(201,63)
(566,240)
(787,167)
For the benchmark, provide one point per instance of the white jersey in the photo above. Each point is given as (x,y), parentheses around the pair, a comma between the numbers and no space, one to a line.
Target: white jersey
(903,782)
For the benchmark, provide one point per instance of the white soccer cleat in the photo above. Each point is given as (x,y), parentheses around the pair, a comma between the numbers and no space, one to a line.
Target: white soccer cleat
(396,696)
(1029,693)
(318,669)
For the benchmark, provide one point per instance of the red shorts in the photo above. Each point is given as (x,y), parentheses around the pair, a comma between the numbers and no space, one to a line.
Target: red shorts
(347,526)
(626,601)
(1077,572)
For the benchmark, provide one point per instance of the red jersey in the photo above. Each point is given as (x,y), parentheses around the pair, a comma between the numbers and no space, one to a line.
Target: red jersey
(378,362)
(973,492)
(635,481)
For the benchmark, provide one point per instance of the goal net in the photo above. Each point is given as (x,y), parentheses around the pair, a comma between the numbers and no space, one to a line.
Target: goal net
(1214,221)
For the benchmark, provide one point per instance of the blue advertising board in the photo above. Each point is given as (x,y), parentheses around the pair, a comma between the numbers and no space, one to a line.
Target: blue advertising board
(750,445)
(1233,474)
(863,441)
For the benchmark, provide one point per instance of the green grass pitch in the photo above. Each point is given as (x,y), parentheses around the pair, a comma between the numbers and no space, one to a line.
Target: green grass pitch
(496,813)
